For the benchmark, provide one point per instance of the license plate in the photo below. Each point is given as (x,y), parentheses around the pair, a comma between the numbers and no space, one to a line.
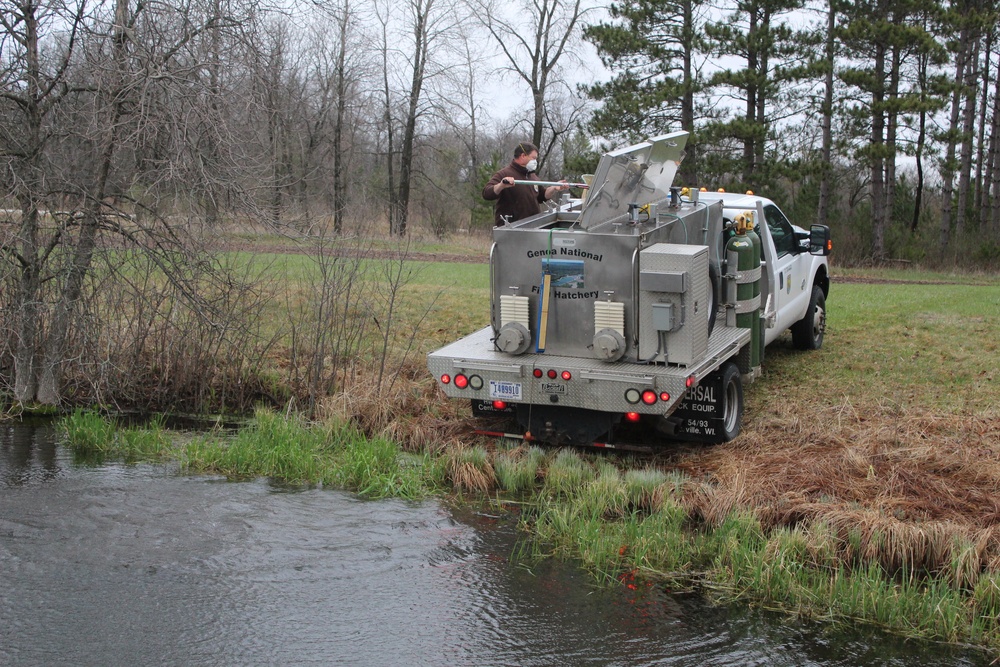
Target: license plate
(507,391)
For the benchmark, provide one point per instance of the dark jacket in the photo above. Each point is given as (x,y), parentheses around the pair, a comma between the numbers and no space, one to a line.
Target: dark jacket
(520,201)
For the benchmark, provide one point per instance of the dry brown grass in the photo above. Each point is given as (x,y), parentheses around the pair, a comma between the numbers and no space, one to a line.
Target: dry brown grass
(470,470)
(411,411)
(911,491)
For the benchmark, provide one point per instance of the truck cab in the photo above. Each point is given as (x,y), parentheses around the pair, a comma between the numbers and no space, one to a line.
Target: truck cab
(795,273)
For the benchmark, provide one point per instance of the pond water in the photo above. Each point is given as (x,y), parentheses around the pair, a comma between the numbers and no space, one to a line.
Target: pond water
(117,564)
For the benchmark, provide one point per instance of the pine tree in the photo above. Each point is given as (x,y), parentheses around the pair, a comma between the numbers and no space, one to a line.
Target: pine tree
(650,44)
(774,57)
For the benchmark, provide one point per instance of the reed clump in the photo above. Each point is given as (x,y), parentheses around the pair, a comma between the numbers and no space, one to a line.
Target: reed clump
(470,469)
(517,468)
(88,432)
(566,473)
(91,434)
(271,445)
(407,410)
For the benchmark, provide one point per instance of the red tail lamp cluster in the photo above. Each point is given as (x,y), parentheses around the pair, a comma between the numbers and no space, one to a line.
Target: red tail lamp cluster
(648,396)
(552,374)
(462,381)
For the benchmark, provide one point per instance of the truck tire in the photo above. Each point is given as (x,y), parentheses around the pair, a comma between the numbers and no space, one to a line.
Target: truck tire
(807,333)
(732,402)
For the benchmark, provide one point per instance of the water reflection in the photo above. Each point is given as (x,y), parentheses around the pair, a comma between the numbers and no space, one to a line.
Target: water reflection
(127,565)
(27,453)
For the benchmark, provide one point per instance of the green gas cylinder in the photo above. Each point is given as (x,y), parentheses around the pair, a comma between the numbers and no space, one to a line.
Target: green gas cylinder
(757,334)
(747,273)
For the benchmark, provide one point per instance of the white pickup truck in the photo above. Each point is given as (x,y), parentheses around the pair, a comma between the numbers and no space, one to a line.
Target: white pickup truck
(639,310)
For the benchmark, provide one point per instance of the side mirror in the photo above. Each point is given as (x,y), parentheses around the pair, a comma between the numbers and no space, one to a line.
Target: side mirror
(819,240)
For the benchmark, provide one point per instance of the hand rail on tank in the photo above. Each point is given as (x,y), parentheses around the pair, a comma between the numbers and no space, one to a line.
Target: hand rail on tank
(493,288)
(635,299)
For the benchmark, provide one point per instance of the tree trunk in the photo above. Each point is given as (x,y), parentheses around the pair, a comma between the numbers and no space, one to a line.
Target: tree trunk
(971,85)
(826,153)
(27,191)
(422,9)
(948,165)
(393,207)
(877,160)
(339,190)
(994,170)
(50,380)
(918,193)
(892,118)
(749,149)
(25,374)
(689,166)
(982,191)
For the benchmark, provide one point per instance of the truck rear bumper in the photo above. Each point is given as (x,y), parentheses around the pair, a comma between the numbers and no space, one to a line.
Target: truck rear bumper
(578,382)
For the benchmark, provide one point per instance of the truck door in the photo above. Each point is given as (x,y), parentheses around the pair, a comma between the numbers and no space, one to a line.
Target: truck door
(789,273)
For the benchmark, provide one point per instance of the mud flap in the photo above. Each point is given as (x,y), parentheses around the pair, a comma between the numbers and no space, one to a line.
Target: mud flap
(702,415)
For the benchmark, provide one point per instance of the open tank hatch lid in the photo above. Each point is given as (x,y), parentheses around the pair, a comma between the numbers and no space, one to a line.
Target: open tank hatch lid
(638,174)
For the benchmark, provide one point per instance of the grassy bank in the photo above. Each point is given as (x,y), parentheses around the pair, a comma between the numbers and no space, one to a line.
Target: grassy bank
(863,487)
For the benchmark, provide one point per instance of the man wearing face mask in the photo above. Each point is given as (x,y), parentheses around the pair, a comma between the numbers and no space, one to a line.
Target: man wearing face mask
(516,201)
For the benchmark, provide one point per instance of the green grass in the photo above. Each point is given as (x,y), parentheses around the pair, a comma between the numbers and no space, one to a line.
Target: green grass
(286,449)
(290,450)
(456,292)
(911,275)
(567,473)
(517,469)
(271,446)
(922,347)
(90,434)
(789,569)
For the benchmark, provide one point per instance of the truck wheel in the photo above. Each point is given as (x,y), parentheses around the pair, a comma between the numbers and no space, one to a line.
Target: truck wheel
(732,402)
(807,333)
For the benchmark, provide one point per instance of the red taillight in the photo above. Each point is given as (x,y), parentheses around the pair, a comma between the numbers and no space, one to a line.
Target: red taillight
(648,396)
(632,416)
(445,379)
(499,405)
(461,381)
(689,382)
(664,396)
(537,372)
(566,375)
(552,374)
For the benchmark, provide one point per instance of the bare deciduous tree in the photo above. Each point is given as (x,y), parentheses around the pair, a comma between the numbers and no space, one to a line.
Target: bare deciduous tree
(535,37)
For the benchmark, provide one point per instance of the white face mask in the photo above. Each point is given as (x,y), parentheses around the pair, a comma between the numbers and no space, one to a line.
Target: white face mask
(532,165)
